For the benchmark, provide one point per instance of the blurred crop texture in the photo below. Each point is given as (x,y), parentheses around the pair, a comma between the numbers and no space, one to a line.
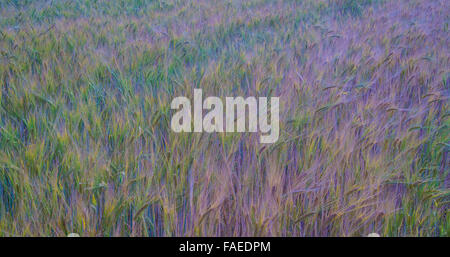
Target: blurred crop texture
(85,138)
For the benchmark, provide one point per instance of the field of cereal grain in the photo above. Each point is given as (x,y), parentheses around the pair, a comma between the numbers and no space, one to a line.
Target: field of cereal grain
(86,145)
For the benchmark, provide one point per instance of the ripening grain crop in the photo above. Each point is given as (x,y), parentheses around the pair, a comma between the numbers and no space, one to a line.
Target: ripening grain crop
(85,139)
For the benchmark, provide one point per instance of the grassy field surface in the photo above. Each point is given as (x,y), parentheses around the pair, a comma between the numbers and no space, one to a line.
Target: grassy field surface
(85,138)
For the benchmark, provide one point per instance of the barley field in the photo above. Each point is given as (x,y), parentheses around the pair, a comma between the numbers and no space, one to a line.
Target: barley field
(86,145)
